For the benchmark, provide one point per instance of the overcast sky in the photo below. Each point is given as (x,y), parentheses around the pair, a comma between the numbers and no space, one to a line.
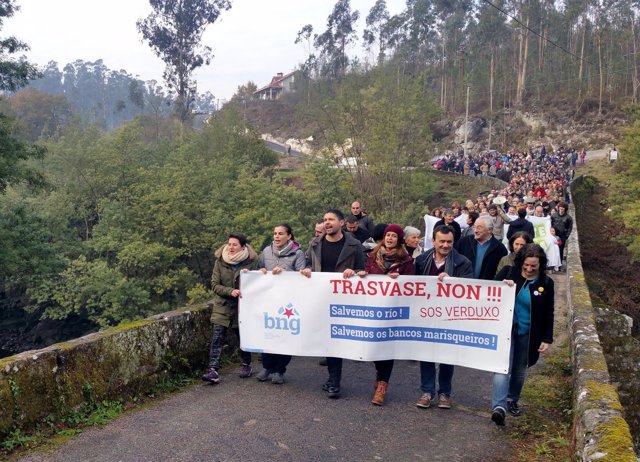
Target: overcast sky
(252,41)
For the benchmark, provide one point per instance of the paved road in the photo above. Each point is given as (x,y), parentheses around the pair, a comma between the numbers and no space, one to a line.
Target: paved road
(245,420)
(282,149)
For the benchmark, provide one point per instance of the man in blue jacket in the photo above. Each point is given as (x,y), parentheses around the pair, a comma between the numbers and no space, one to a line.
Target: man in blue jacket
(442,260)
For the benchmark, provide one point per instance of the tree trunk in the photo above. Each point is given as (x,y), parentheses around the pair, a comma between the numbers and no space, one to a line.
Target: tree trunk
(634,83)
(522,58)
(443,85)
(581,68)
(599,40)
(491,97)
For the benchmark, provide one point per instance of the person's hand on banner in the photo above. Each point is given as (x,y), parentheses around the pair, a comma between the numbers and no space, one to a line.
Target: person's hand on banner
(235,293)
(393,275)
(348,273)
(508,282)
(442,275)
(306,272)
(277,270)
(362,273)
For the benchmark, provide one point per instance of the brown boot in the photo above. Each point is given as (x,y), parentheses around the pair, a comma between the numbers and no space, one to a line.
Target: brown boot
(381,391)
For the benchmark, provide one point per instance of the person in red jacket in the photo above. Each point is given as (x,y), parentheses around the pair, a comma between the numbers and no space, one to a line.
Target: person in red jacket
(391,258)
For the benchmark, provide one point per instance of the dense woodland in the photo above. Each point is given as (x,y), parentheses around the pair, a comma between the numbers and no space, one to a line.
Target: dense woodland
(507,52)
(112,205)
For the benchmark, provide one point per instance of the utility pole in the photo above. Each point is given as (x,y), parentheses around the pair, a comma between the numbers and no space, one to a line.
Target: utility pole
(466,122)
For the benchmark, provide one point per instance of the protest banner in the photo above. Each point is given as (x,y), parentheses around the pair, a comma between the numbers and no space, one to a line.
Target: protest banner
(464,322)
(542,230)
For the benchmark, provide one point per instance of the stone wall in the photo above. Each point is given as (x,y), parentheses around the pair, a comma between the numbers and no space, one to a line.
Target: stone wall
(622,352)
(119,363)
(600,431)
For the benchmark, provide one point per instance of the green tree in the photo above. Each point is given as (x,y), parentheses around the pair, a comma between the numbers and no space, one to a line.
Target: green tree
(334,41)
(377,19)
(174,32)
(14,73)
(40,114)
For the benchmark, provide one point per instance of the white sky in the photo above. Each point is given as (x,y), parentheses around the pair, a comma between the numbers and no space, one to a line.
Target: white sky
(251,41)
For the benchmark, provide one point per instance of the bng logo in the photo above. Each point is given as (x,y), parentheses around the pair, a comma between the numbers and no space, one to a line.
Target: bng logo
(286,319)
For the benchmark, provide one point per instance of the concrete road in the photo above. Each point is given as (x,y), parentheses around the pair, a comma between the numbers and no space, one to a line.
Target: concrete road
(245,420)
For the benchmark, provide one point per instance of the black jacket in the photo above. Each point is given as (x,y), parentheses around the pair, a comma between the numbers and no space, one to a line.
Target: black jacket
(455,265)
(496,250)
(542,306)
(457,231)
(563,224)
(520,224)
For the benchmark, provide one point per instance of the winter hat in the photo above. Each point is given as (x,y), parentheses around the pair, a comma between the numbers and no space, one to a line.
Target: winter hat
(393,228)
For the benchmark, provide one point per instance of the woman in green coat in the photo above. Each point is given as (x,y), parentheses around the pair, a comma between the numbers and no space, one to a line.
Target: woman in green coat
(232,258)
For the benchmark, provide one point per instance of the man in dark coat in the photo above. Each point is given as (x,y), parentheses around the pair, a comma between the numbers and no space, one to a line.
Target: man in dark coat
(449,220)
(334,252)
(521,224)
(482,249)
(352,226)
(563,224)
(364,221)
(442,261)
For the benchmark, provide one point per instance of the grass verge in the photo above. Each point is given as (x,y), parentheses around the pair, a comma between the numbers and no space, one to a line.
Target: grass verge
(543,432)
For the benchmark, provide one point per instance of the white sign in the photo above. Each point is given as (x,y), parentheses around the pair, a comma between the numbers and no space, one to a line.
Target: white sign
(464,322)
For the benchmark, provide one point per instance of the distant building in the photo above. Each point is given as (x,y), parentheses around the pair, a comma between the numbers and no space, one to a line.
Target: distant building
(279,84)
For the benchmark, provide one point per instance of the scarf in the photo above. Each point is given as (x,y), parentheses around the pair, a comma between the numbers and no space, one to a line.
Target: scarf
(283,251)
(234,259)
(385,258)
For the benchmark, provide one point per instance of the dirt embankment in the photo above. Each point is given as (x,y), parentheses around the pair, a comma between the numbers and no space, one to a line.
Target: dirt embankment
(612,277)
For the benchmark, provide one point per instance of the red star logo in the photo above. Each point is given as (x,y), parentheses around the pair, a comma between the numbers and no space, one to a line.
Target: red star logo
(288,312)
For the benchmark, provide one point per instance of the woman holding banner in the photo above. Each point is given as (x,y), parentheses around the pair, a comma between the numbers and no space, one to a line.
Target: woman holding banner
(532,330)
(232,258)
(284,254)
(391,258)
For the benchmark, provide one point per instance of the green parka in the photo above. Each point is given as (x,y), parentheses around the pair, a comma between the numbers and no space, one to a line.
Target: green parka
(224,279)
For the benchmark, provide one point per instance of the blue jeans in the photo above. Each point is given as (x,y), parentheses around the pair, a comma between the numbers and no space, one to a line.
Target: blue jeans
(507,387)
(428,378)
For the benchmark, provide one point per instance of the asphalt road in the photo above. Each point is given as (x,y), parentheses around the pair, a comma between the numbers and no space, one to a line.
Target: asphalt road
(281,149)
(245,420)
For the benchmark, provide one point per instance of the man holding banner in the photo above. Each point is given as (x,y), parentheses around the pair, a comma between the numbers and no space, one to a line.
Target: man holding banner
(334,252)
(442,260)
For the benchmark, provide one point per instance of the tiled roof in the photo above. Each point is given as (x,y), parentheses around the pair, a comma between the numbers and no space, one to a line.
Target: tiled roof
(276,82)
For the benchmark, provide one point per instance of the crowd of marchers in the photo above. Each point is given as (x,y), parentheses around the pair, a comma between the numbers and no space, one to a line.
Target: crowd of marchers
(467,241)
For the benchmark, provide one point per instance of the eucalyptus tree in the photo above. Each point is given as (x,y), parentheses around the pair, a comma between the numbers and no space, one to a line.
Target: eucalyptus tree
(174,32)
(377,21)
(333,42)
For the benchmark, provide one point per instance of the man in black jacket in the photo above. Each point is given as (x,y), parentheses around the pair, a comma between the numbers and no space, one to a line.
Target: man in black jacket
(442,261)
(449,220)
(521,224)
(482,249)
(563,224)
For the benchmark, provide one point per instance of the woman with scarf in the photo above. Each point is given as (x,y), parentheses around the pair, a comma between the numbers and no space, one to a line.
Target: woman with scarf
(232,258)
(284,254)
(391,258)
(532,330)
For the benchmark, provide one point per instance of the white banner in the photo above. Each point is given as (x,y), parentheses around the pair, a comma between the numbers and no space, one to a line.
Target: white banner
(464,322)
(541,228)
(429,223)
